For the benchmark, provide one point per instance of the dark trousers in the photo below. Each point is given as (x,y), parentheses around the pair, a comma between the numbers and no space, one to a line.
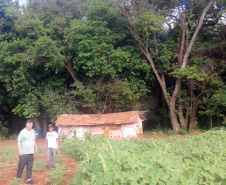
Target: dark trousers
(28,160)
(52,157)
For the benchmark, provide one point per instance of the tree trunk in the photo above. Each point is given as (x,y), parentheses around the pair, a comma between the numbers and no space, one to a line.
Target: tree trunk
(170,101)
(70,69)
(45,129)
(188,51)
(165,108)
(14,126)
(194,109)
(173,119)
(37,123)
(181,116)
(211,121)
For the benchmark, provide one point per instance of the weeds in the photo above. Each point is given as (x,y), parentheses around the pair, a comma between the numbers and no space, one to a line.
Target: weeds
(8,154)
(16,182)
(56,176)
(59,159)
(39,165)
(41,149)
(88,135)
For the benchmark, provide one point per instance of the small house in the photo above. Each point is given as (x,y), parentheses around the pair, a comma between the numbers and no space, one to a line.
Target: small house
(115,125)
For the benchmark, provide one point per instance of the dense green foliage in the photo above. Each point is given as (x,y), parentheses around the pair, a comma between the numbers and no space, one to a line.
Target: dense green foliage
(80,56)
(193,160)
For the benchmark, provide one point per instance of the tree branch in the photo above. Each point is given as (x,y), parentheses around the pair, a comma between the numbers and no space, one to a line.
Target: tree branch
(187,53)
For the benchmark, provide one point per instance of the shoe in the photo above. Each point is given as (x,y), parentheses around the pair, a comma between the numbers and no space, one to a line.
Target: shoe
(30,182)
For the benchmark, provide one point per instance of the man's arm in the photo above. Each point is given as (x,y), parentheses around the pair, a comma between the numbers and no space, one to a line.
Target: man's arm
(58,143)
(19,148)
(36,148)
(46,143)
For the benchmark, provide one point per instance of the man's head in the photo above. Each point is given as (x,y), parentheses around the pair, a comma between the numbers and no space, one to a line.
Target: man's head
(29,124)
(50,127)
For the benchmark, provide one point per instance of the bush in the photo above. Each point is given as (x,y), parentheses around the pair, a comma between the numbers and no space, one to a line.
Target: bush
(219,128)
(3,138)
(199,159)
(182,132)
(160,133)
(13,137)
(170,132)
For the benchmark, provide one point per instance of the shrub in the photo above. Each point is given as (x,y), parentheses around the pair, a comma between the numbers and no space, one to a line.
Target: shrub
(219,128)
(160,134)
(170,132)
(182,132)
(3,138)
(13,137)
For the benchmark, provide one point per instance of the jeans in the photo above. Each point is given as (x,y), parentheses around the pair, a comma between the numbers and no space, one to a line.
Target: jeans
(28,160)
(52,157)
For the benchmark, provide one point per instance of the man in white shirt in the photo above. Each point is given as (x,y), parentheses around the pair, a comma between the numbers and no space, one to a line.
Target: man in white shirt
(52,143)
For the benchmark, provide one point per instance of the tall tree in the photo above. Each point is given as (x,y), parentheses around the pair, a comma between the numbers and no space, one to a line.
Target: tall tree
(145,21)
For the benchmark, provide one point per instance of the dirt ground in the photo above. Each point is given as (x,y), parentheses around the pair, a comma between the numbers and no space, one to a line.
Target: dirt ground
(8,173)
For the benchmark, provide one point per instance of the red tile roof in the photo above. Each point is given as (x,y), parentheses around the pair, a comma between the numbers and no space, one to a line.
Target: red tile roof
(98,119)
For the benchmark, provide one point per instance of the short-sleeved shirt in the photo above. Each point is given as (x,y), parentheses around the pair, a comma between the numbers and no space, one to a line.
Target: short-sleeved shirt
(27,141)
(52,139)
